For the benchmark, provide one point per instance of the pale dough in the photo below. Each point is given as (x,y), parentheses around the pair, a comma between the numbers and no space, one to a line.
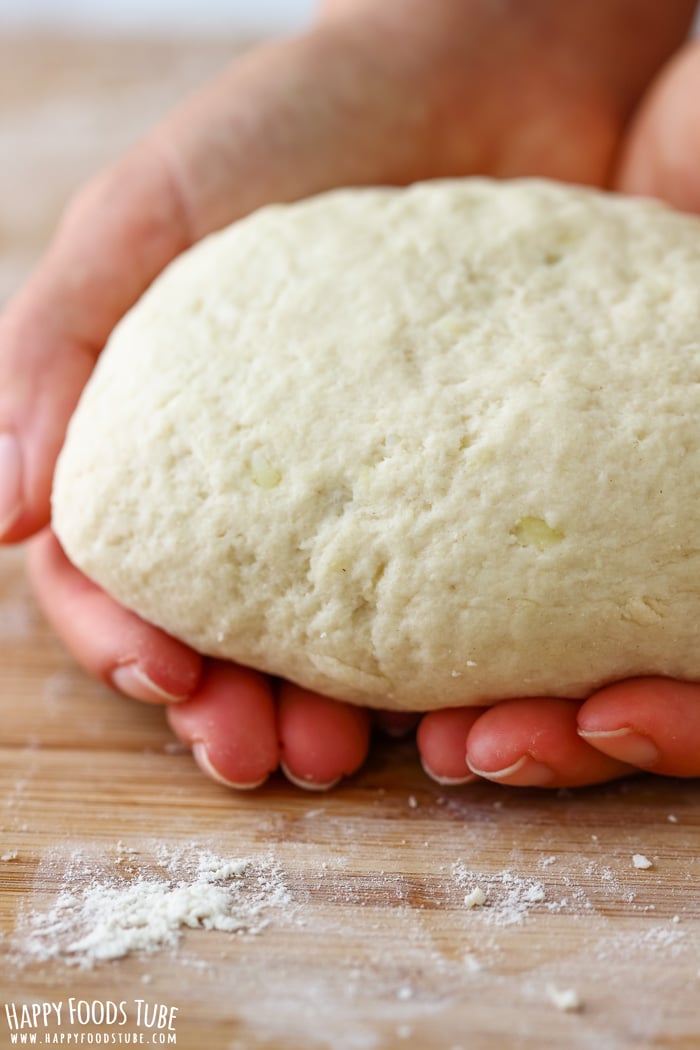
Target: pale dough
(410,448)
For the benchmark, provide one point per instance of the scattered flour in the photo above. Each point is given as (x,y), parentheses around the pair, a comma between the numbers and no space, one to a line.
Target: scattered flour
(507,898)
(668,942)
(104,913)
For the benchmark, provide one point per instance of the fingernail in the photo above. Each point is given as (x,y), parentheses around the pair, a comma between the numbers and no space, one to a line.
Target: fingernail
(131,680)
(11,503)
(201,757)
(307,785)
(526,772)
(626,744)
(468,778)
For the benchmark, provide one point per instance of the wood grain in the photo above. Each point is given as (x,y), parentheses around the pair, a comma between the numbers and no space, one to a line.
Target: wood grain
(375,948)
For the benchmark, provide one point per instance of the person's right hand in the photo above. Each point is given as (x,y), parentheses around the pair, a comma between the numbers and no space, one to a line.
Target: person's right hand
(374,93)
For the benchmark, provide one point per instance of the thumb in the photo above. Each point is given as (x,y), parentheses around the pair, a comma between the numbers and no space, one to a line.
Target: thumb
(662,148)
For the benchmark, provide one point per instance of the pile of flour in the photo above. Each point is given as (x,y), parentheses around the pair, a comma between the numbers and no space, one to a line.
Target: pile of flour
(109,910)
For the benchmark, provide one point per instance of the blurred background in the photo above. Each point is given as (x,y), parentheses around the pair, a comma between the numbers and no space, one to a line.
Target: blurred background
(154,16)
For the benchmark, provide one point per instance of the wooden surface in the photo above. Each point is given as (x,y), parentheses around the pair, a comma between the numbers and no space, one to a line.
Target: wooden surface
(367,942)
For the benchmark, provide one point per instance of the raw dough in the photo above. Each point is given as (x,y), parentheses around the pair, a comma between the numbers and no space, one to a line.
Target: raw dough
(410,448)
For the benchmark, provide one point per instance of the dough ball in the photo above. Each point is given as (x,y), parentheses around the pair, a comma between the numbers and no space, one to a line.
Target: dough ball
(410,448)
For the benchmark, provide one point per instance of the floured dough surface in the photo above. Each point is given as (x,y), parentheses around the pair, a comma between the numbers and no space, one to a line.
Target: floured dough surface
(410,448)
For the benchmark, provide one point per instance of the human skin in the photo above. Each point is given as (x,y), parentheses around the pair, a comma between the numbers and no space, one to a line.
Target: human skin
(374,92)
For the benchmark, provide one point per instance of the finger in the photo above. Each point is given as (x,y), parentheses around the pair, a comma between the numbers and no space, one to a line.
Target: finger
(321,740)
(442,743)
(660,156)
(653,723)
(112,643)
(534,743)
(231,725)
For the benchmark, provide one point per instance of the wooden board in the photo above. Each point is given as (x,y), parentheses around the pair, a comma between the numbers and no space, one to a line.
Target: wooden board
(367,942)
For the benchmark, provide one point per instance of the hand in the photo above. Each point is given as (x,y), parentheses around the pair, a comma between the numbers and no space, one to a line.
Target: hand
(374,93)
